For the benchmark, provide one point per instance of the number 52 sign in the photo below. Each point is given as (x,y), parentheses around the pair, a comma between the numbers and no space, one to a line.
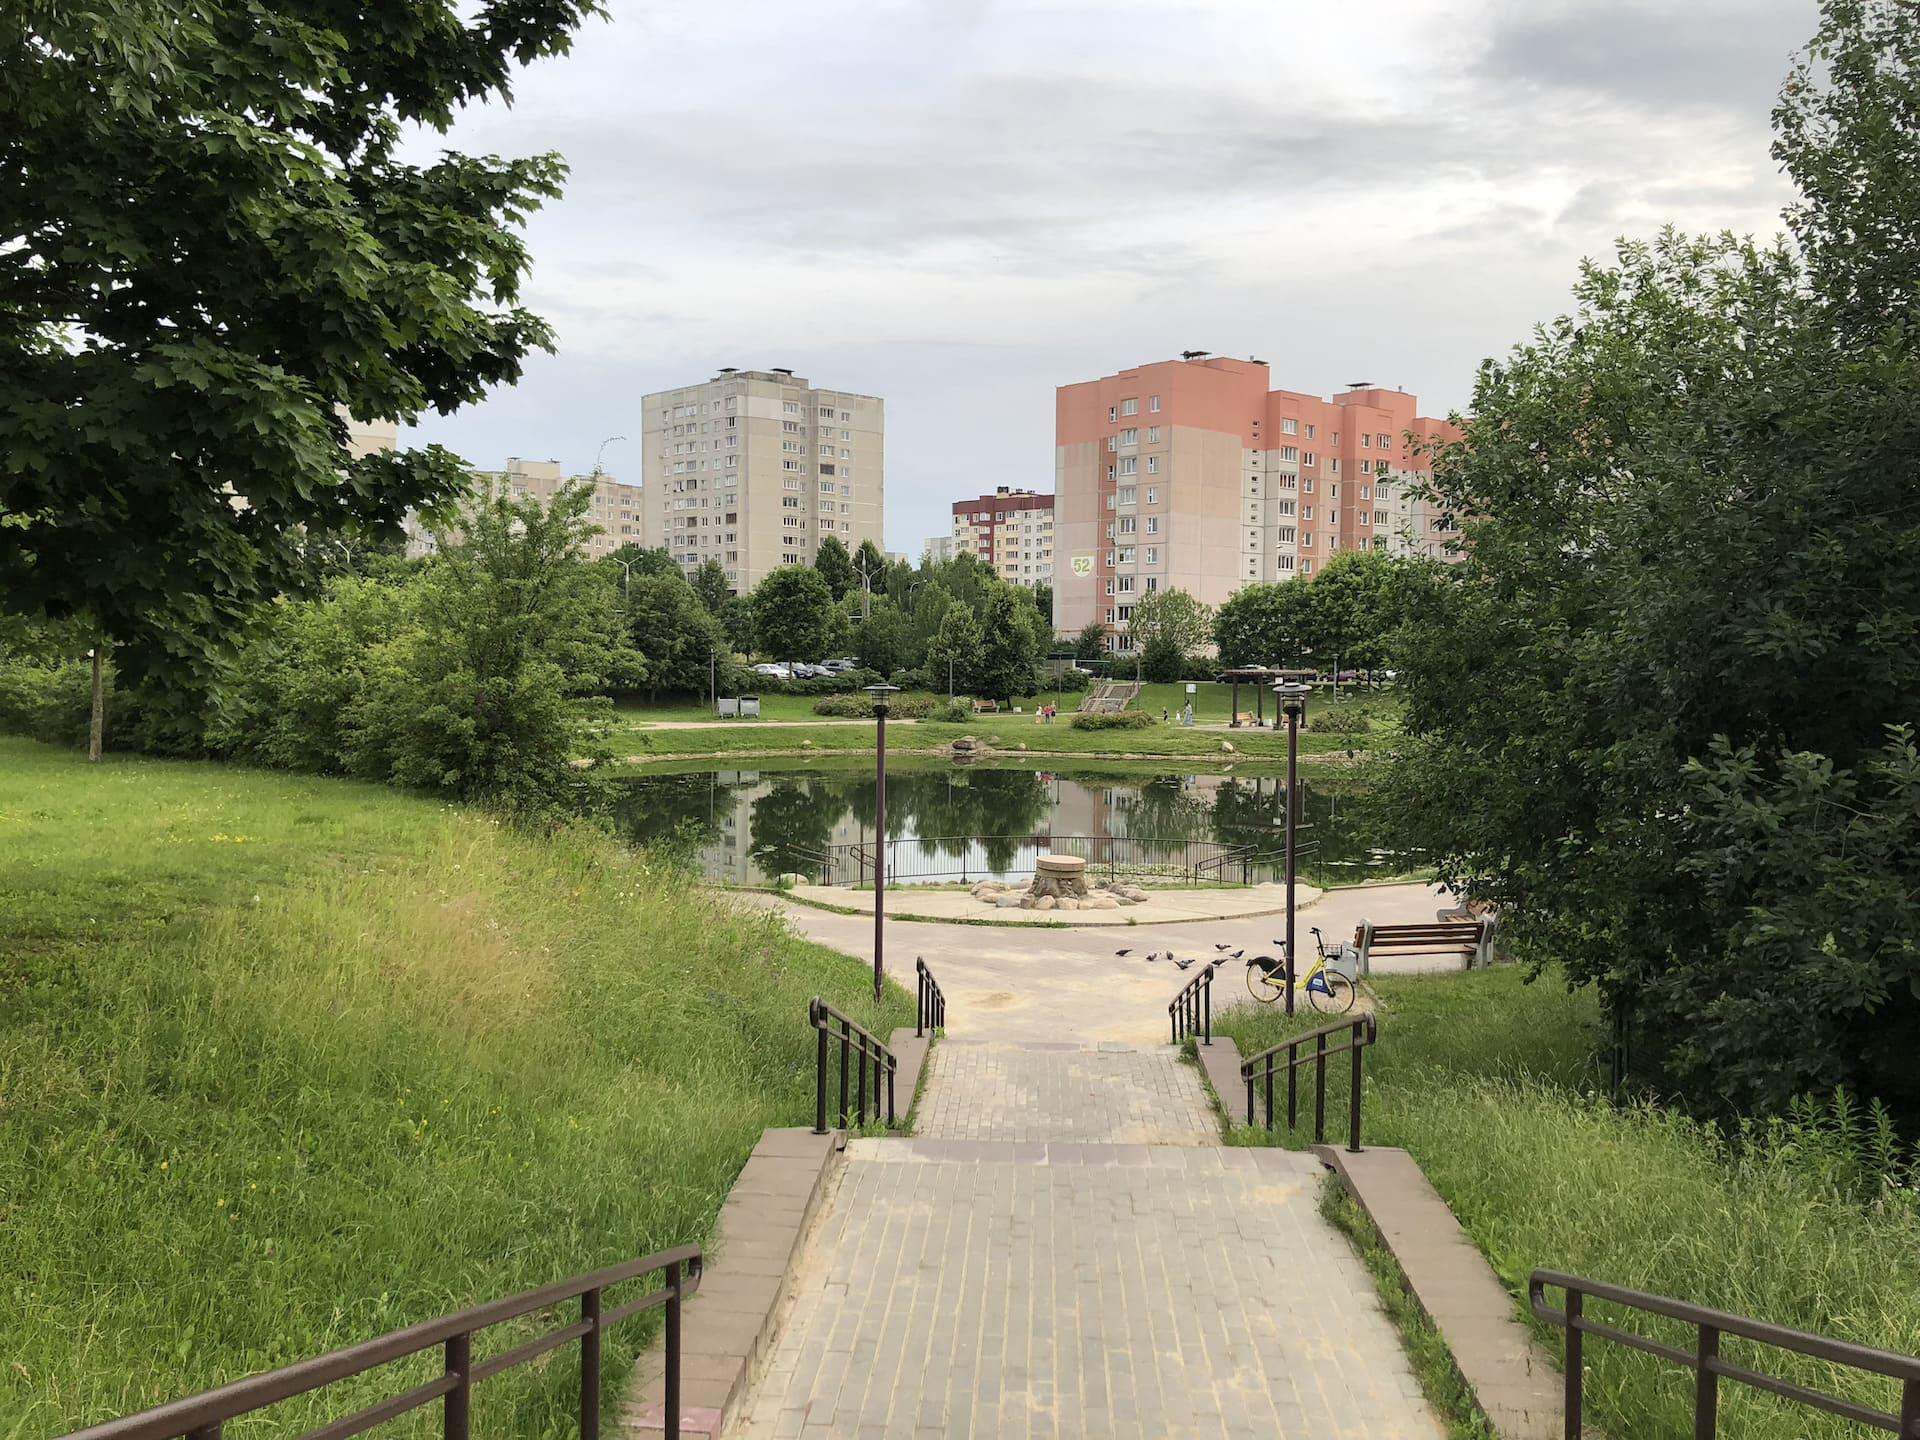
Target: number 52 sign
(1082,565)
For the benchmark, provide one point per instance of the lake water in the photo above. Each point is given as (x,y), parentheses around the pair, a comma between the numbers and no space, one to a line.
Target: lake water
(949,822)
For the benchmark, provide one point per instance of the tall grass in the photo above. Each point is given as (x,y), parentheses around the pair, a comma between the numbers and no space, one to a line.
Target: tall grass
(286,1063)
(1811,1220)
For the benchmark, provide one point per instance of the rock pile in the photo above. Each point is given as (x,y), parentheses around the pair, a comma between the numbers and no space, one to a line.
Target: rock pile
(1107,895)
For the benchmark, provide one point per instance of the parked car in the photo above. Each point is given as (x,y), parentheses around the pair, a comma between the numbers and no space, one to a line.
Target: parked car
(777,672)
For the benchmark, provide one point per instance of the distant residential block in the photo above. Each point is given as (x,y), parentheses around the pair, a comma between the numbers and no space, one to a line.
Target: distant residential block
(1009,531)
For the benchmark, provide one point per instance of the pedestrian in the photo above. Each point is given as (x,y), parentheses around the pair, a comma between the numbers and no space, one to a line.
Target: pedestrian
(1164,717)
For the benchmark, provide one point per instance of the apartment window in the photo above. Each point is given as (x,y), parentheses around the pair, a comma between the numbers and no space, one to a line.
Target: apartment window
(1283,507)
(1109,591)
(1306,541)
(1363,517)
(1128,524)
(792,407)
(1153,404)
(1366,441)
(1153,558)
(1379,517)
(1126,558)
(1286,535)
(1109,472)
(1365,493)
(1289,455)
(1129,464)
(1309,432)
(1307,458)
(1125,495)
(1153,434)
(1153,494)
(1336,439)
(1386,442)
(1289,427)
(1153,524)
(1113,414)
(1130,407)
(1153,464)
(1130,437)
(1109,614)
(1126,585)
(1113,443)
(1306,512)
(1333,490)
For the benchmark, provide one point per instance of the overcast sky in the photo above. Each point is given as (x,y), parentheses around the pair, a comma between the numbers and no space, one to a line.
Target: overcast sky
(960,204)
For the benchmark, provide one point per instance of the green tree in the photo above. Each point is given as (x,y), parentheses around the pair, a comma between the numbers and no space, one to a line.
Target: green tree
(1661,715)
(1043,601)
(793,614)
(835,566)
(881,641)
(673,633)
(870,564)
(1091,643)
(954,652)
(212,252)
(1353,610)
(497,690)
(1010,645)
(1265,625)
(1168,626)
(710,583)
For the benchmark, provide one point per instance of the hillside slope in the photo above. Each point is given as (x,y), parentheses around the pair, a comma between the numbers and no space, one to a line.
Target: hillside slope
(288,1062)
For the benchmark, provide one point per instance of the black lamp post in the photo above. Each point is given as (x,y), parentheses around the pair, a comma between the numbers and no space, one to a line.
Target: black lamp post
(880,708)
(1292,699)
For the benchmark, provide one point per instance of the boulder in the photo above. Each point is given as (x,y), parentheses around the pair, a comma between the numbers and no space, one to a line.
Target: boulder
(1069,903)
(1007,902)
(1226,747)
(1100,902)
(1045,902)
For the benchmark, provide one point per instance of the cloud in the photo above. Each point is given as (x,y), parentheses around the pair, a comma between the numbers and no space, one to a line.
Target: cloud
(961,206)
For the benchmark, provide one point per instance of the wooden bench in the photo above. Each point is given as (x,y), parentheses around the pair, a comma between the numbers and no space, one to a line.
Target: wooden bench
(1471,940)
(986,707)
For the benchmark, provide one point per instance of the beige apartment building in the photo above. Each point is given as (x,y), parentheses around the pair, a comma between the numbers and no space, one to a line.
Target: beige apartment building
(1010,532)
(1195,474)
(754,468)
(615,508)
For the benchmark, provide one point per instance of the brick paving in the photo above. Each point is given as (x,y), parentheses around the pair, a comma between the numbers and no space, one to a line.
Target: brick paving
(1114,1093)
(1065,1250)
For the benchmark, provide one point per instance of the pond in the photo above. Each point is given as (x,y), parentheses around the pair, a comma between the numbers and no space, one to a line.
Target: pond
(954,823)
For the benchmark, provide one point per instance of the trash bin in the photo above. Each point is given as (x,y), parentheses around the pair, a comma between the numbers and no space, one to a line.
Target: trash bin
(729,709)
(750,707)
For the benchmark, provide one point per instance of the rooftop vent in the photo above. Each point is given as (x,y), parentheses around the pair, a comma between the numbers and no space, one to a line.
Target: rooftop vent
(1359,384)
(779,370)
(729,369)
(1194,354)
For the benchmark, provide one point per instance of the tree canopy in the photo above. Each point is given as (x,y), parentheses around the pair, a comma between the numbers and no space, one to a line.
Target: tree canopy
(211,254)
(1662,715)
(793,614)
(835,566)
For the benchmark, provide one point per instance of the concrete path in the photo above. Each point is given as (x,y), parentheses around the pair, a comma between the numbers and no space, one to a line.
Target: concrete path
(1065,1249)
(1171,906)
(1069,985)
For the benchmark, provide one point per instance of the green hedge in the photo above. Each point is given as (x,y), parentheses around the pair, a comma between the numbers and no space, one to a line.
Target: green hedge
(1126,720)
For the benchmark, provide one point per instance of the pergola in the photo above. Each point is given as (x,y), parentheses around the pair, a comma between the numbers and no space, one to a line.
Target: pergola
(1262,678)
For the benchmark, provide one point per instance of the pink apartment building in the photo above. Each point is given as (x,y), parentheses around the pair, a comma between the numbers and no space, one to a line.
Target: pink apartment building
(1194,474)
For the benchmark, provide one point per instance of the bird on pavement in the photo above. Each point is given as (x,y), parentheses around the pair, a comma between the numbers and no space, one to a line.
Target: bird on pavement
(1183,964)
(1123,952)
(1221,944)
(1155,955)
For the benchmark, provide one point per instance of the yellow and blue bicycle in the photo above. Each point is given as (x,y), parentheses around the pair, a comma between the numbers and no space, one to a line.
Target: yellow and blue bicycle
(1327,984)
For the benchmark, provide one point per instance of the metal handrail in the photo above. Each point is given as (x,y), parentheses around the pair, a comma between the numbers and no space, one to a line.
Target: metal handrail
(1191,1011)
(1363,1031)
(853,1038)
(930,1007)
(200,1417)
(1705,1360)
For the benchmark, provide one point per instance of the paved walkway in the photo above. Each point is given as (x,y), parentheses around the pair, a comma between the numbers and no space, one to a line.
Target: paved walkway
(1065,1249)
(1069,985)
(1174,906)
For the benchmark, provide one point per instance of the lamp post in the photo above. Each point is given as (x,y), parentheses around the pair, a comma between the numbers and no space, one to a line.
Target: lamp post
(880,708)
(1292,699)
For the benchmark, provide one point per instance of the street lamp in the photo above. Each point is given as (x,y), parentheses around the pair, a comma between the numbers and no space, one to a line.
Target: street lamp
(879,694)
(1292,699)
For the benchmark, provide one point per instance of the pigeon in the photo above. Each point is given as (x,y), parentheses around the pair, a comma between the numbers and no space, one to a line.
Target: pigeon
(1220,944)
(1183,964)
(1154,956)
(1236,954)
(1123,952)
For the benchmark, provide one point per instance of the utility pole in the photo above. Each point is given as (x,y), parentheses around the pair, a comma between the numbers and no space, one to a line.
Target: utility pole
(96,726)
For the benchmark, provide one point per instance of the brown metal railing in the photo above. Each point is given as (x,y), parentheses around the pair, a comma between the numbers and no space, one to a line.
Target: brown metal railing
(874,1058)
(1191,1011)
(930,1009)
(202,1416)
(1706,1362)
(1362,1032)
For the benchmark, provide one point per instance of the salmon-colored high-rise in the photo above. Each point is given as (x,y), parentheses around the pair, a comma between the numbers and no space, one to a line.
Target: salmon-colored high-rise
(1196,475)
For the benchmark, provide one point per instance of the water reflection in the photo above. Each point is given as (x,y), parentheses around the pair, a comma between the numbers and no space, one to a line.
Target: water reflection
(749,826)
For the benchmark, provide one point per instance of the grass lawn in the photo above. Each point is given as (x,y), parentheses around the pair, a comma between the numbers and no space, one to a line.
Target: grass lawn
(286,1063)
(1490,1083)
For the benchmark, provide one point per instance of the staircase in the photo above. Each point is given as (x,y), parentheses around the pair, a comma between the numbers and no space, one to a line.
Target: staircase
(1110,697)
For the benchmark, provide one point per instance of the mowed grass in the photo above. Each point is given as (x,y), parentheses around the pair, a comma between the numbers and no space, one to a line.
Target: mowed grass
(286,1063)
(1492,1084)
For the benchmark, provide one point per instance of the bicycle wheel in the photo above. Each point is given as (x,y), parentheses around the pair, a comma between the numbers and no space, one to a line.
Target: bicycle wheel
(1331,993)
(1261,984)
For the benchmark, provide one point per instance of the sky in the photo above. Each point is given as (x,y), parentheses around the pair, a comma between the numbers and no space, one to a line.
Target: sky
(959,205)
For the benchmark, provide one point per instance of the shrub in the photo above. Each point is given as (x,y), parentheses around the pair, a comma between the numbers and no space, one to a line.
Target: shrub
(956,711)
(1338,722)
(860,707)
(51,702)
(1126,720)
(1070,681)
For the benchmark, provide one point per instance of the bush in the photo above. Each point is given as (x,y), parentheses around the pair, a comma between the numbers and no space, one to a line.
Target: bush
(746,682)
(51,702)
(956,711)
(1070,681)
(1126,720)
(1338,722)
(860,707)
